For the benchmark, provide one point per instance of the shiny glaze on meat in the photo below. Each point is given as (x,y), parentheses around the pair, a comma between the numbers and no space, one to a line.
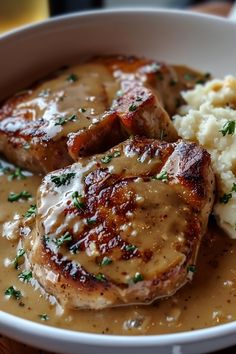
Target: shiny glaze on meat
(88,108)
(133,229)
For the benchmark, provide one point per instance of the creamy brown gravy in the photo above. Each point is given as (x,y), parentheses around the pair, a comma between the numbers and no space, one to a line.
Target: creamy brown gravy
(209,300)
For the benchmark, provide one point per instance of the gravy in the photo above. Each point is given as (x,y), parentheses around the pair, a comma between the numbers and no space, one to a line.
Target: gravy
(210,299)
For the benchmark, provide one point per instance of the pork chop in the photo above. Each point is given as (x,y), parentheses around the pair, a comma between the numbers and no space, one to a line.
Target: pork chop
(124,227)
(88,108)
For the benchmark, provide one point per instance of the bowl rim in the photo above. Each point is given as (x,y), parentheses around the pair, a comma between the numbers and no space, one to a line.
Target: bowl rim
(21,325)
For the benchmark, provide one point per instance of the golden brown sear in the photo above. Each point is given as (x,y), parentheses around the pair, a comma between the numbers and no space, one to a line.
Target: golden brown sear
(90,107)
(123,227)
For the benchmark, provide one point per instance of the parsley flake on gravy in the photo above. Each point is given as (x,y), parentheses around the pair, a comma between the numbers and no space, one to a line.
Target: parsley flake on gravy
(65,238)
(20,253)
(162,176)
(63,120)
(106,261)
(77,201)
(72,78)
(11,292)
(25,276)
(107,158)
(137,278)
(32,211)
(14,197)
(63,179)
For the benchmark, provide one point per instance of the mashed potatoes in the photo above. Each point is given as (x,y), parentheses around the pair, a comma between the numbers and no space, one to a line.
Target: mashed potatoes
(209,118)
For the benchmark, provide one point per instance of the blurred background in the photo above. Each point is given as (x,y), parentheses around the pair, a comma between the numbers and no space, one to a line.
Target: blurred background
(15,13)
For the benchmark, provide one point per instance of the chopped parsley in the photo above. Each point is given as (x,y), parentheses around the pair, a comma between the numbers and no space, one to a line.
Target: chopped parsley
(14,197)
(192,268)
(132,107)
(100,277)
(106,261)
(63,179)
(162,176)
(72,78)
(44,317)
(82,110)
(65,238)
(64,120)
(107,158)
(130,248)
(228,128)
(137,278)
(32,211)
(139,99)
(20,253)
(16,174)
(13,293)
(25,276)
(78,201)
(225,198)
(91,221)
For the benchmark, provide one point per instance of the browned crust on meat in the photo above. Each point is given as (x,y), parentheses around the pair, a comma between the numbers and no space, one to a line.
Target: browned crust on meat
(108,194)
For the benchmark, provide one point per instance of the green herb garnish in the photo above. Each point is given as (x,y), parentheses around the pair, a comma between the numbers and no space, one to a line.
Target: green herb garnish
(162,176)
(14,197)
(32,211)
(91,221)
(234,187)
(192,268)
(228,128)
(72,78)
(100,277)
(82,110)
(65,238)
(63,179)
(225,198)
(20,253)
(132,107)
(64,120)
(130,248)
(106,261)
(13,293)
(108,158)
(137,278)
(25,276)
(16,174)
(78,201)
(44,317)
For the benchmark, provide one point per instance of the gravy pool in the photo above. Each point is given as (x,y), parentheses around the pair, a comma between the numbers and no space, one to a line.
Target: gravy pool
(210,299)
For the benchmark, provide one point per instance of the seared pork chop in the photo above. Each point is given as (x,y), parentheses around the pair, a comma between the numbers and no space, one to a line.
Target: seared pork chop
(89,108)
(123,227)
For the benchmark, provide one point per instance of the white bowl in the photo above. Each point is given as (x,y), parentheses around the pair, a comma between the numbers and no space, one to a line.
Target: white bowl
(204,42)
